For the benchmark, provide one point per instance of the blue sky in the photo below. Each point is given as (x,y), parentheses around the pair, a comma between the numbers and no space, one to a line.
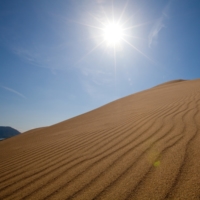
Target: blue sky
(54,65)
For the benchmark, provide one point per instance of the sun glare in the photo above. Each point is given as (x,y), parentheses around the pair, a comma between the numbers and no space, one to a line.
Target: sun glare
(113,34)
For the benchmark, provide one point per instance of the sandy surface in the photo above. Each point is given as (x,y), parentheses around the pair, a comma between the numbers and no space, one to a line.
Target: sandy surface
(144,146)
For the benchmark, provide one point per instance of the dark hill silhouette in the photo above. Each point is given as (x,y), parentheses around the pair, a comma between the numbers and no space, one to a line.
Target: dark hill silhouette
(7,132)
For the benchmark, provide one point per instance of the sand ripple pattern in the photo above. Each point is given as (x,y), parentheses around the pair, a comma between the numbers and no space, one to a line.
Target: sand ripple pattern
(143,146)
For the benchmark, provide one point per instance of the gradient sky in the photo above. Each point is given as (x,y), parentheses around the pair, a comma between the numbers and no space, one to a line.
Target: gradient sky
(54,66)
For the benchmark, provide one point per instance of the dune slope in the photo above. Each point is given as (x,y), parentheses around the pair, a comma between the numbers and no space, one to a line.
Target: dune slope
(143,146)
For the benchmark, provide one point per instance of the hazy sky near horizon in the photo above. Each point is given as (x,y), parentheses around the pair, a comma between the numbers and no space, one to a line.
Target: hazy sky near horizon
(54,64)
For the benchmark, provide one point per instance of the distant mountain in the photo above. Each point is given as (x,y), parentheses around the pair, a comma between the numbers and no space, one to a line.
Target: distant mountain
(6,132)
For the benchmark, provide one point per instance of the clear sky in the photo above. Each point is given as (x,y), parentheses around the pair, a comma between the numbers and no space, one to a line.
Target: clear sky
(55,61)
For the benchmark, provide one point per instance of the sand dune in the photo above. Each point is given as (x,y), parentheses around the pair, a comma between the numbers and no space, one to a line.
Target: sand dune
(143,146)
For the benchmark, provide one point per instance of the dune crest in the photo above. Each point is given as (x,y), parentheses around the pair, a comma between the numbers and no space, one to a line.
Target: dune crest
(143,146)
(171,82)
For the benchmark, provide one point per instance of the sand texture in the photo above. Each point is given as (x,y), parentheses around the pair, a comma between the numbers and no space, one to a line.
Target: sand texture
(143,146)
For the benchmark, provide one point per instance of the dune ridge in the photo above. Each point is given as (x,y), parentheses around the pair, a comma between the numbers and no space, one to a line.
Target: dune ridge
(143,146)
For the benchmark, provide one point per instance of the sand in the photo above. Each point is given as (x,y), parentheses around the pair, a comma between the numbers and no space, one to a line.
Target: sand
(143,146)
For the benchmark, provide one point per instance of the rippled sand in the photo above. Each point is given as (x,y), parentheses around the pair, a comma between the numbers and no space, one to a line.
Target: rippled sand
(144,146)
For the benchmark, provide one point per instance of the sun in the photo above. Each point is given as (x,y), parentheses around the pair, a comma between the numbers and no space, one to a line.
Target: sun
(112,30)
(113,34)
